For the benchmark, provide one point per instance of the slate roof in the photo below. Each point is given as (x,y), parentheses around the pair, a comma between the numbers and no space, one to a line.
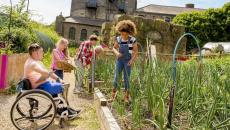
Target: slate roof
(85,21)
(162,9)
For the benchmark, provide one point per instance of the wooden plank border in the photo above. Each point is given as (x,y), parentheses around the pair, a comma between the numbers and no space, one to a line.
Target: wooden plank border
(107,121)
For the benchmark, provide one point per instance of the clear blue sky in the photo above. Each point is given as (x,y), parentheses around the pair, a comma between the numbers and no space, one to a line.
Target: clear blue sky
(47,10)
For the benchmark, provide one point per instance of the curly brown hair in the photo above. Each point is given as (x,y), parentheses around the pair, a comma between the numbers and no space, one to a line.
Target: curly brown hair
(126,26)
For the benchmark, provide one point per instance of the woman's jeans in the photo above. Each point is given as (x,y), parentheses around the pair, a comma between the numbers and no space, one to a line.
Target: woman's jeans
(59,73)
(122,65)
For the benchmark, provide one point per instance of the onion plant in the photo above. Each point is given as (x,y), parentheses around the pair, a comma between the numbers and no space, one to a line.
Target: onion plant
(201,98)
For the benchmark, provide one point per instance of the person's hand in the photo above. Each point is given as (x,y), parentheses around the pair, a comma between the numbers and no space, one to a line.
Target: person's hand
(62,81)
(130,63)
(52,71)
(84,64)
(119,55)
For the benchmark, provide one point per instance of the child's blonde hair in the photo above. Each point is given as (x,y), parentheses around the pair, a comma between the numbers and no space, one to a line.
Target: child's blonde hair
(64,41)
(126,26)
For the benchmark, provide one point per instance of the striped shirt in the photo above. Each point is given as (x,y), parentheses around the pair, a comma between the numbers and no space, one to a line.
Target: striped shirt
(130,42)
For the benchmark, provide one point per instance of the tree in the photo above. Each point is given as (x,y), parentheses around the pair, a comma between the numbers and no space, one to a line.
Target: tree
(212,25)
(18,30)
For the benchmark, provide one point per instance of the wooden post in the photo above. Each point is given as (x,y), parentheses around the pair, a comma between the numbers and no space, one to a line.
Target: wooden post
(92,83)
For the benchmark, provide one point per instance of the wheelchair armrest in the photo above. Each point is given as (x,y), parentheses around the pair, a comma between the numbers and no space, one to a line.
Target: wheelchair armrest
(66,85)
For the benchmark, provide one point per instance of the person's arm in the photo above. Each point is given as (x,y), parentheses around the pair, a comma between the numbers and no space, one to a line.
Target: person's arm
(115,49)
(36,68)
(55,77)
(45,74)
(134,53)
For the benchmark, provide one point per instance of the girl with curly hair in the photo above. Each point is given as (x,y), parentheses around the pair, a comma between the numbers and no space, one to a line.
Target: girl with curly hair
(125,48)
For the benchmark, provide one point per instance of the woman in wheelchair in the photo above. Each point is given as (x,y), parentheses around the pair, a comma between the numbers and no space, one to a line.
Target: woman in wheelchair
(39,76)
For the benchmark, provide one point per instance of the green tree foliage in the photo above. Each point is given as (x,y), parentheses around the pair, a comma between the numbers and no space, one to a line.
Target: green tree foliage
(24,31)
(212,25)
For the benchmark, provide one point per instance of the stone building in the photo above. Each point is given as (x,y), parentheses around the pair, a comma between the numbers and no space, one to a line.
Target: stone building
(87,16)
(166,13)
(162,35)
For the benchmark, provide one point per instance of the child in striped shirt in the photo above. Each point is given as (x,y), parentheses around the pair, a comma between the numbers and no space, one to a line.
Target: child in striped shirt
(126,50)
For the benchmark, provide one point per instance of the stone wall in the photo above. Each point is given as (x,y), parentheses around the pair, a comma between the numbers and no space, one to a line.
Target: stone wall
(105,9)
(59,24)
(79,27)
(159,33)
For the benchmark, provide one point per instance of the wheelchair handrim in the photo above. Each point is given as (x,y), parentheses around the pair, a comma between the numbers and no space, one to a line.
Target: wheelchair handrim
(42,94)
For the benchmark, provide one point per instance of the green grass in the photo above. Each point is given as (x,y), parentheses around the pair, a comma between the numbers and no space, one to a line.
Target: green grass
(88,120)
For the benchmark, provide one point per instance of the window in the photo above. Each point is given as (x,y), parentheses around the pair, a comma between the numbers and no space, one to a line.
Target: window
(72,32)
(96,32)
(121,6)
(83,35)
(141,15)
(167,19)
(92,4)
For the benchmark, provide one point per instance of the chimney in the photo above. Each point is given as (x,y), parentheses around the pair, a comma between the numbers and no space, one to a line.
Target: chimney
(189,5)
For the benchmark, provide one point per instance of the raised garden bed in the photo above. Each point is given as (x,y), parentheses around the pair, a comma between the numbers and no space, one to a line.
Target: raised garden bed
(105,116)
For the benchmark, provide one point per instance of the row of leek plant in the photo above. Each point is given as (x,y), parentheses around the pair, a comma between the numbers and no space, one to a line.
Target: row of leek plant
(201,98)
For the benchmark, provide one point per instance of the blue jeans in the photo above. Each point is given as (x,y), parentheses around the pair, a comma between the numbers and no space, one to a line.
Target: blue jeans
(122,65)
(59,73)
(51,88)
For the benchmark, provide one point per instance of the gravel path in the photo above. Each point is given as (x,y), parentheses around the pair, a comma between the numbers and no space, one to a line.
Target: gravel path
(87,121)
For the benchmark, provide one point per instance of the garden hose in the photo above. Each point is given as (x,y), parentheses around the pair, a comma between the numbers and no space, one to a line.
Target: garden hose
(173,87)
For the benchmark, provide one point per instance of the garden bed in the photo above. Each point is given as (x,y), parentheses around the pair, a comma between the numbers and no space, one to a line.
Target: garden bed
(105,116)
(201,97)
(110,117)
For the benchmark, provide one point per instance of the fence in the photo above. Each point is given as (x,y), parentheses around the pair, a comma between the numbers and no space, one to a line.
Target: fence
(12,68)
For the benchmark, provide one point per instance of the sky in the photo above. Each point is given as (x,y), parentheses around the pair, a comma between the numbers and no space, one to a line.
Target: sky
(45,11)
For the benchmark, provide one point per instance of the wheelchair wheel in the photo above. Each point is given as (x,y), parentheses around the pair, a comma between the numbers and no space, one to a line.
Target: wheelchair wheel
(33,109)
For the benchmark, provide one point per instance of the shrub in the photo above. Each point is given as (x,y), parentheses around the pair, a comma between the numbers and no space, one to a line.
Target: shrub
(24,31)
(212,25)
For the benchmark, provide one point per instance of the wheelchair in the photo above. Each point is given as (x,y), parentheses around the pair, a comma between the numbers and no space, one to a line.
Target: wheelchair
(37,109)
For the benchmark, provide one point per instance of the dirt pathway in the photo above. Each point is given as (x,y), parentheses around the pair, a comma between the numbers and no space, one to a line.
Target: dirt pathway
(87,121)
